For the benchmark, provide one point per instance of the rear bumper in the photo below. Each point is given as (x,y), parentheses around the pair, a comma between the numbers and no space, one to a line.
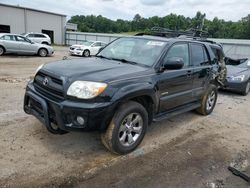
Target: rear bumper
(96,116)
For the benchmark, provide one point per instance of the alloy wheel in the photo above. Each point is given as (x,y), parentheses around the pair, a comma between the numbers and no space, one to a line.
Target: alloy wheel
(210,101)
(130,129)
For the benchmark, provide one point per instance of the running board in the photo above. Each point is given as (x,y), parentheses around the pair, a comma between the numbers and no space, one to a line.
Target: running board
(176,111)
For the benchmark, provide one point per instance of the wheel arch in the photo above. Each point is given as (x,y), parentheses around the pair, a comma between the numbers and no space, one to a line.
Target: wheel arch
(4,49)
(42,48)
(143,93)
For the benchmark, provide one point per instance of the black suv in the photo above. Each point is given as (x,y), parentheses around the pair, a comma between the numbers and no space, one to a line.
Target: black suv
(131,83)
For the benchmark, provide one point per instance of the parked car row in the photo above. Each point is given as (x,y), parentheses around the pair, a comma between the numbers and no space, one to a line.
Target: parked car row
(38,44)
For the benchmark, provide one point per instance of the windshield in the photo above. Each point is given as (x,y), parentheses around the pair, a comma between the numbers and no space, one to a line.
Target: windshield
(87,43)
(140,51)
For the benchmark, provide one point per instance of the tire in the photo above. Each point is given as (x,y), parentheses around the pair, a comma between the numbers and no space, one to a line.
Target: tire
(54,129)
(247,89)
(1,50)
(117,137)
(42,52)
(208,101)
(86,53)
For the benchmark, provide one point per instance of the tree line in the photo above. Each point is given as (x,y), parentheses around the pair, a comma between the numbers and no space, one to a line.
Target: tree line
(217,28)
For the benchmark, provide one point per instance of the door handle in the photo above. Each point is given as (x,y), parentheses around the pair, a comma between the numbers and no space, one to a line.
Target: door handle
(189,73)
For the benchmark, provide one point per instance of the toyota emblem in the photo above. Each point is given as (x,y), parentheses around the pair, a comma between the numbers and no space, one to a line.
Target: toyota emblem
(45,81)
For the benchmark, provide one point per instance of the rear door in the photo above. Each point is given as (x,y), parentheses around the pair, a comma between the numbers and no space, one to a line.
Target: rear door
(10,43)
(202,68)
(175,86)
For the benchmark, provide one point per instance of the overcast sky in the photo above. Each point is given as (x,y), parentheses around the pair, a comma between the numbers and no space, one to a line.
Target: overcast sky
(126,9)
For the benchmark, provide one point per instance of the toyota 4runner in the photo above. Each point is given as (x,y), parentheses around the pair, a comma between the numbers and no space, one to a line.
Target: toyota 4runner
(131,83)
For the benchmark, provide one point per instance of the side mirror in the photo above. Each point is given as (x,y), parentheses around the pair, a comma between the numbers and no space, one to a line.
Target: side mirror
(173,63)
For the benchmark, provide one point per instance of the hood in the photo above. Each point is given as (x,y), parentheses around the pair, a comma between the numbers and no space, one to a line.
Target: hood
(94,69)
(234,70)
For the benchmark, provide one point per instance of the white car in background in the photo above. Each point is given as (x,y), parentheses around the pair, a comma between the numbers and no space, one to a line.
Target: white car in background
(38,38)
(87,48)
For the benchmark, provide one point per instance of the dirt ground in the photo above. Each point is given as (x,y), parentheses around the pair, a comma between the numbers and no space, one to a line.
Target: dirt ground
(188,150)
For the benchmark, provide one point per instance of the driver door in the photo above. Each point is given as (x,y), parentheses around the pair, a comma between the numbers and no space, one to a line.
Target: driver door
(25,45)
(175,86)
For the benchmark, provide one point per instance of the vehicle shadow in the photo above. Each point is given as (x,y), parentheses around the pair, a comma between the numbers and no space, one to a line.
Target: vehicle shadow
(230,93)
(87,145)
(21,56)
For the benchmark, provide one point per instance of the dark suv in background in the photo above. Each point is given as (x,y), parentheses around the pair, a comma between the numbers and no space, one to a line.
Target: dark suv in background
(131,83)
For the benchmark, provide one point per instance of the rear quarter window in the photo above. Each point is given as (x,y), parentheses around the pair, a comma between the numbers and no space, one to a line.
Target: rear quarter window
(199,55)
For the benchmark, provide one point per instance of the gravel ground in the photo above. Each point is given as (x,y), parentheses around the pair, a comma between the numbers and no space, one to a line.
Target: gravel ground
(188,150)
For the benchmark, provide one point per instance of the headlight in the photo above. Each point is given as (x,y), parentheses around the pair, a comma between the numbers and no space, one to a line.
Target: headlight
(238,78)
(41,66)
(85,89)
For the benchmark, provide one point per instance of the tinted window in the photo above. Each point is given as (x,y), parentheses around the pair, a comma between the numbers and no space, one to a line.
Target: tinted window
(97,44)
(22,39)
(206,59)
(39,36)
(8,37)
(181,51)
(31,35)
(199,55)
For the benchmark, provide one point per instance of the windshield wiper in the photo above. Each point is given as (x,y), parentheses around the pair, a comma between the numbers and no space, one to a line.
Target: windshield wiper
(101,56)
(125,61)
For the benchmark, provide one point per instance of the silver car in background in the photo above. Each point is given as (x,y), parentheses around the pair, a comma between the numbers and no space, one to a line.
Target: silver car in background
(38,37)
(13,43)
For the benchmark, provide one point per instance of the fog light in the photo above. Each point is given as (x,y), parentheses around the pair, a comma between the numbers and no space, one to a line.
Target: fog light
(80,120)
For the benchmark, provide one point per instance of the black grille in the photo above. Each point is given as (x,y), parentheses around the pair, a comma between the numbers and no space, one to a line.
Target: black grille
(49,86)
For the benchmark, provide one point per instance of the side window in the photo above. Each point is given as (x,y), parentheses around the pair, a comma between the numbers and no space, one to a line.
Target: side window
(199,55)
(181,51)
(39,36)
(206,59)
(22,39)
(8,37)
(97,44)
(31,35)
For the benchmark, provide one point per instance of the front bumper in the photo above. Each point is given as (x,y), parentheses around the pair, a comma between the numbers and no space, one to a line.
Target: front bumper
(96,116)
(75,52)
(50,51)
(235,86)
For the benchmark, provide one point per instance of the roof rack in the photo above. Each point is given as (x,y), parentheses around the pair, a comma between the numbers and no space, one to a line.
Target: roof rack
(191,33)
